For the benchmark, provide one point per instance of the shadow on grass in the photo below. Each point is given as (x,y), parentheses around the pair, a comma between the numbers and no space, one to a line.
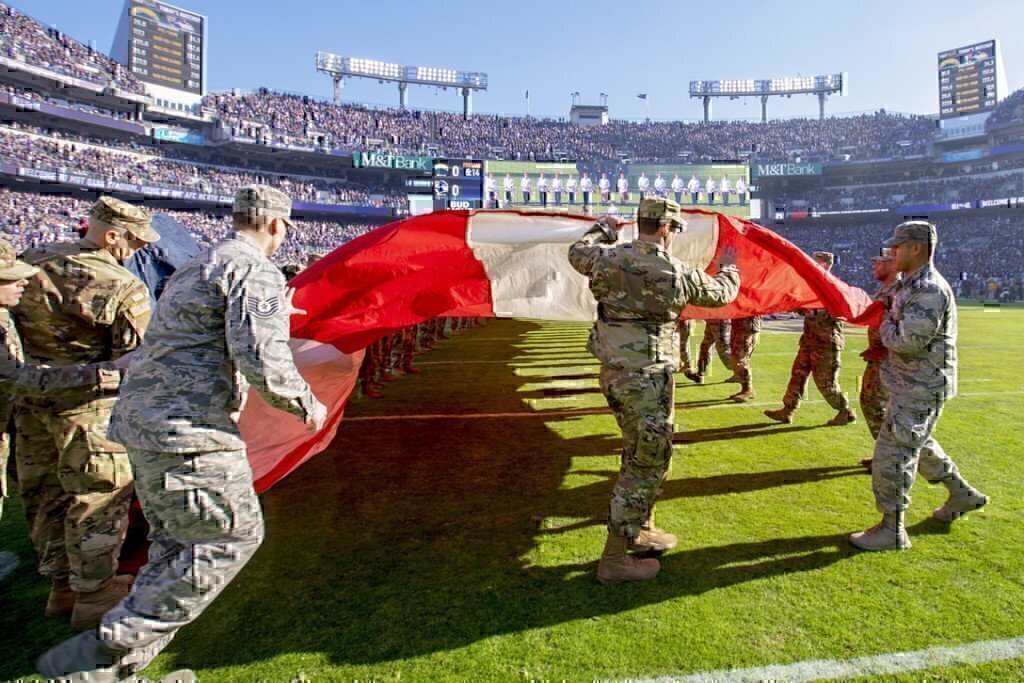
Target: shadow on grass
(738,432)
(412,537)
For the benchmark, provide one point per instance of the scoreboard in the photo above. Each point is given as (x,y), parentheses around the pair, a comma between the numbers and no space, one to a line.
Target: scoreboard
(458,184)
(969,79)
(165,45)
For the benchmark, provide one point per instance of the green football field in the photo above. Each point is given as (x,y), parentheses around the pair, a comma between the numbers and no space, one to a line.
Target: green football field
(452,530)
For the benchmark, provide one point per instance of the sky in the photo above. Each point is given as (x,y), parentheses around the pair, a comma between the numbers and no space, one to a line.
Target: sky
(553,48)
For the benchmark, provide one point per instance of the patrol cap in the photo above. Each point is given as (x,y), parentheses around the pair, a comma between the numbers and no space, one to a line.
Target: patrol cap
(912,231)
(110,212)
(661,210)
(884,255)
(826,257)
(10,267)
(262,200)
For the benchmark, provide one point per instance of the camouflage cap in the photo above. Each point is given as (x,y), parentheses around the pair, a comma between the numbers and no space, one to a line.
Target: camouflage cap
(826,257)
(112,212)
(912,231)
(884,255)
(10,267)
(262,200)
(660,209)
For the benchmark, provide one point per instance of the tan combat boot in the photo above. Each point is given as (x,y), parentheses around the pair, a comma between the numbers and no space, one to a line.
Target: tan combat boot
(888,534)
(652,539)
(62,598)
(963,498)
(90,607)
(783,414)
(617,565)
(843,417)
(694,377)
(745,393)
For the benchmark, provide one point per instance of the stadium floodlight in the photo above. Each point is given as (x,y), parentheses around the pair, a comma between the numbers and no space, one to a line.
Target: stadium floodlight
(339,68)
(822,86)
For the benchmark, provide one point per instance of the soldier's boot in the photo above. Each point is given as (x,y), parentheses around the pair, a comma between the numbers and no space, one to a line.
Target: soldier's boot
(82,658)
(90,607)
(369,390)
(843,417)
(651,539)
(888,534)
(617,565)
(963,498)
(408,369)
(745,393)
(867,463)
(62,598)
(694,376)
(783,414)
(386,376)
(732,379)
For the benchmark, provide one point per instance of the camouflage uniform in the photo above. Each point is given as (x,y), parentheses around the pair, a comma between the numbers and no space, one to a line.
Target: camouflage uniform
(716,334)
(641,290)
(742,340)
(685,358)
(820,352)
(76,484)
(219,328)
(919,373)
(19,378)
(873,395)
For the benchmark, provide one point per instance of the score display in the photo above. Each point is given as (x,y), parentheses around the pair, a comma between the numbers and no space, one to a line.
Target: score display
(968,79)
(458,184)
(165,45)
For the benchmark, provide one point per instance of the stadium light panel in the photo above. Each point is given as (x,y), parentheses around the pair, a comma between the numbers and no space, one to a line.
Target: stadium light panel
(340,67)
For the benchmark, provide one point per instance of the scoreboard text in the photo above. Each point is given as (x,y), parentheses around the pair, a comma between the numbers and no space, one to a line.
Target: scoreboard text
(165,46)
(458,184)
(967,80)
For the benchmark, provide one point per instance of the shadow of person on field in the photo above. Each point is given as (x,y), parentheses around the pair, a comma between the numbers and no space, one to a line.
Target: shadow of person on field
(759,429)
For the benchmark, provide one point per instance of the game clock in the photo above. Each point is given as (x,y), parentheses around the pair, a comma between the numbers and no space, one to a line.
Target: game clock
(458,184)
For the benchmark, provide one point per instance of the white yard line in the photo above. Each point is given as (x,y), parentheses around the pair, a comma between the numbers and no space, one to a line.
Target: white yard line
(873,665)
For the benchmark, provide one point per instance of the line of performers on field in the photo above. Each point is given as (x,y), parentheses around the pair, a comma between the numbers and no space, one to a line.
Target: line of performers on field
(551,192)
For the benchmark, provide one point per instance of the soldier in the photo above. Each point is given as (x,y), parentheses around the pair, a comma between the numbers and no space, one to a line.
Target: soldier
(17,377)
(873,395)
(820,352)
(742,340)
(685,357)
(76,483)
(641,290)
(919,331)
(716,334)
(407,350)
(220,326)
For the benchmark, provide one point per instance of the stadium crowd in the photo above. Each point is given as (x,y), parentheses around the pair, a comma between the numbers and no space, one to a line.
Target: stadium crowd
(27,220)
(24,39)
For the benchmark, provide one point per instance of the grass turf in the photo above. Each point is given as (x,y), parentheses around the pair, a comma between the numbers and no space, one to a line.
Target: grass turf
(458,548)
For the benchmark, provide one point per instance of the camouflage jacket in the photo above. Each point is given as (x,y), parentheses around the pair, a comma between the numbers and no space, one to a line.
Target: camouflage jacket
(822,330)
(219,327)
(920,333)
(641,290)
(876,351)
(746,326)
(83,307)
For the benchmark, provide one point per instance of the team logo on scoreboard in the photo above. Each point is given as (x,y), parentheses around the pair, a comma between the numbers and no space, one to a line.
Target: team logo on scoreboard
(440,169)
(440,188)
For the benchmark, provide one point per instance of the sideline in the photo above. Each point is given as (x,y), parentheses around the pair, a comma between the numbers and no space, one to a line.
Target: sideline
(873,665)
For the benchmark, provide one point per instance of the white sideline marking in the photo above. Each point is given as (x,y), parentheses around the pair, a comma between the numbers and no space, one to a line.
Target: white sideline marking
(873,665)
(600,411)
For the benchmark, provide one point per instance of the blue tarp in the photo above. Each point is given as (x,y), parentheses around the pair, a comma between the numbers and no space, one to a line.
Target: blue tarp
(155,264)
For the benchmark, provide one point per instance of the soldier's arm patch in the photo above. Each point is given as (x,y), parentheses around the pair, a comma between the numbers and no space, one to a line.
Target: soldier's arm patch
(139,309)
(262,308)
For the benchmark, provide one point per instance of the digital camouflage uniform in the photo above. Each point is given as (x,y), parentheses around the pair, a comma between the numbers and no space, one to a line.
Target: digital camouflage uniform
(641,290)
(76,483)
(716,334)
(743,335)
(20,379)
(220,327)
(873,395)
(919,373)
(820,356)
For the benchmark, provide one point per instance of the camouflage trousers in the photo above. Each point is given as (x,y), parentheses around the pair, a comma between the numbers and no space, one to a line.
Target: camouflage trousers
(76,487)
(823,364)
(5,453)
(742,342)
(873,397)
(644,407)
(716,333)
(206,524)
(904,446)
(685,330)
